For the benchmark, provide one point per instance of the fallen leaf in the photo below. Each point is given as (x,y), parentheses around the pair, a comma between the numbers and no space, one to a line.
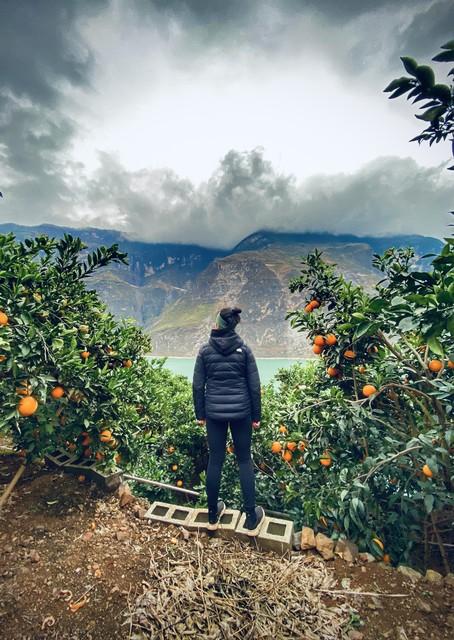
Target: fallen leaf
(78,605)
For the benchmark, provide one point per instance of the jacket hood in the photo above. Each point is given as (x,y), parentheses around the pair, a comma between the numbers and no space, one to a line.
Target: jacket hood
(225,341)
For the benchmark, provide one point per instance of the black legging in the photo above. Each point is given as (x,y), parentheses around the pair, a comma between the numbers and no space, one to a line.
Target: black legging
(241,431)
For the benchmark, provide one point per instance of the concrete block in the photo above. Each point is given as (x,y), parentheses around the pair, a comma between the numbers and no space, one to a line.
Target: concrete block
(81,465)
(107,481)
(59,458)
(226,527)
(241,532)
(228,524)
(276,535)
(169,514)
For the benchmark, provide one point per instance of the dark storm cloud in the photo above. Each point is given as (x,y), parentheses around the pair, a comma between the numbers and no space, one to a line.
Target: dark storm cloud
(428,30)
(40,53)
(387,196)
(354,36)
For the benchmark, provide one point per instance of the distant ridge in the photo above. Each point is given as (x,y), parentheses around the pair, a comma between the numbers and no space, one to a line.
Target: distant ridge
(173,290)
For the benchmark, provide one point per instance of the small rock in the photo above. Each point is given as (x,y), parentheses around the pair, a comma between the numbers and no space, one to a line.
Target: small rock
(450,620)
(88,535)
(34,556)
(347,550)
(449,579)
(186,533)
(8,549)
(125,495)
(433,576)
(408,572)
(307,538)
(325,546)
(363,569)
(297,541)
(353,634)
(400,634)
(423,606)
(346,583)
(366,557)
(122,536)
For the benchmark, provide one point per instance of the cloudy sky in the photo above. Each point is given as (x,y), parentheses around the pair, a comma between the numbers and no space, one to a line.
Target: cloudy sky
(205,120)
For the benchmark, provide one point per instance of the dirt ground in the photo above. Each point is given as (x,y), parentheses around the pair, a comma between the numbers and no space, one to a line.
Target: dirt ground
(61,540)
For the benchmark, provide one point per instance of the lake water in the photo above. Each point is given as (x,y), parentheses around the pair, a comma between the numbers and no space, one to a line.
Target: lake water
(267,366)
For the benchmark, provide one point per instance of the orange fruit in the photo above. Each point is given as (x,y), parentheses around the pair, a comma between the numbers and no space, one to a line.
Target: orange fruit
(99,455)
(105,436)
(22,453)
(287,455)
(72,446)
(332,372)
(2,358)
(326,459)
(350,354)
(314,304)
(330,339)
(427,471)
(27,406)
(179,483)
(276,447)
(386,558)
(57,392)
(291,446)
(301,445)
(361,369)
(450,364)
(379,543)
(171,449)
(319,340)
(118,458)
(88,453)
(369,390)
(230,448)
(262,466)
(435,366)
(283,429)
(317,350)
(127,363)
(3,319)
(308,308)
(372,349)
(81,478)
(174,467)
(86,441)
(85,354)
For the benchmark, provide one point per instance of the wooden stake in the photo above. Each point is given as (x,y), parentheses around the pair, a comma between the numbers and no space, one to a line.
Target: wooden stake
(12,484)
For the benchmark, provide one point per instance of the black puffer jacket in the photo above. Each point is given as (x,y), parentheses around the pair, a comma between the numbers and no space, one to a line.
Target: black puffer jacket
(226,384)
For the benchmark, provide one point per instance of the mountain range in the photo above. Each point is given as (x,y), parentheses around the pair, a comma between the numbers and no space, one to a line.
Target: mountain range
(173,290)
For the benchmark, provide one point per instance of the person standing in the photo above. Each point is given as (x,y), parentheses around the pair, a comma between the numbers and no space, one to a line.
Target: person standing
(226,391)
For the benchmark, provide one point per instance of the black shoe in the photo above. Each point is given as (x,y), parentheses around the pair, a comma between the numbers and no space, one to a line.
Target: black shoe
(254,520)
(214,515)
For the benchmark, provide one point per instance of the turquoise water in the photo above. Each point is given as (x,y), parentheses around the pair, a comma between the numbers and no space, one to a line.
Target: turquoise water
(267,366)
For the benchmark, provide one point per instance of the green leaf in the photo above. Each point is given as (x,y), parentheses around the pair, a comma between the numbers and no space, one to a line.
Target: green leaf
(442,92)
(444,56)
(425,76)
(429,502)
(450,325)
(435,346)
(448,45)
(432,114)
(395,84)
(410,65)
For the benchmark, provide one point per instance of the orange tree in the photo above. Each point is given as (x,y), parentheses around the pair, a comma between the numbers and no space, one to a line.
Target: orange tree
(378,423)
(70,375)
